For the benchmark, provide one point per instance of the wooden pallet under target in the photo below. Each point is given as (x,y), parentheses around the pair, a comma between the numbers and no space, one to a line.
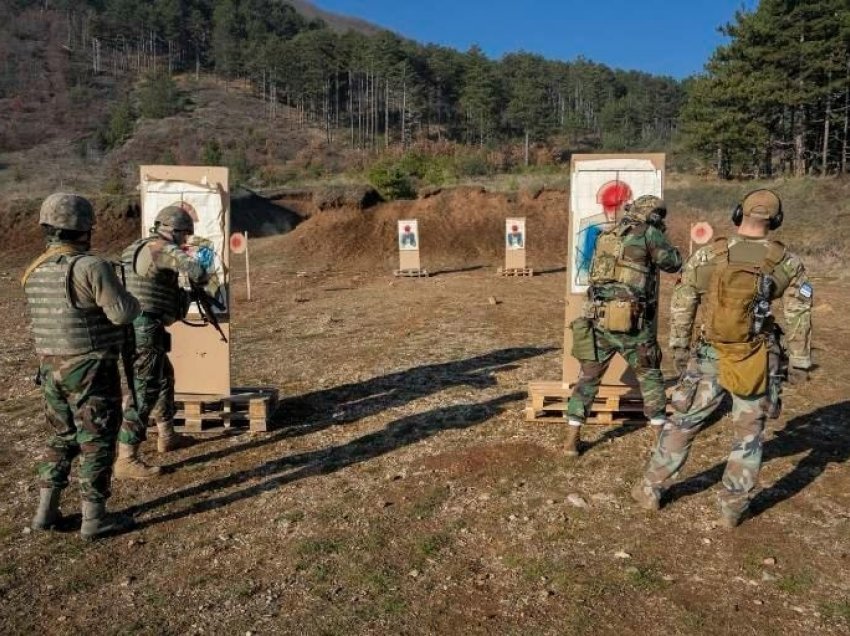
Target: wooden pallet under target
(411,273)
(547,402)
(516,271)
(251,406)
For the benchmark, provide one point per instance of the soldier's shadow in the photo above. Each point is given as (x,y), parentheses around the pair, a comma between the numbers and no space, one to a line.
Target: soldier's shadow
(822,434)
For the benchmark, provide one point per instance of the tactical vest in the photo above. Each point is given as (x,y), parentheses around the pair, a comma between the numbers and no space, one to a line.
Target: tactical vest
(157,290)
(731,287)
(617,260)
(59,327)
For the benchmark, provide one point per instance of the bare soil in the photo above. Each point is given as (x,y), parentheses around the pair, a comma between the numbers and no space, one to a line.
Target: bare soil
(403,492)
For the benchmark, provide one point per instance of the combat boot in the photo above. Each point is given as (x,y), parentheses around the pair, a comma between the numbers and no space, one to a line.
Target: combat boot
(96,524)
(646,497)
(573,443)
(47,516)
(730,518)
(167,440)
(130,466)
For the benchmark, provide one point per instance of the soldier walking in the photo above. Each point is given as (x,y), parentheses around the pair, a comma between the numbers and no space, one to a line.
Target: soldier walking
(77,307)
(153,266)
(737,351)
(620,315)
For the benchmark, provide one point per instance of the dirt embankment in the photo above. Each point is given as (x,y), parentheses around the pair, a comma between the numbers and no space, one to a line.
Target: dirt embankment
(459,227)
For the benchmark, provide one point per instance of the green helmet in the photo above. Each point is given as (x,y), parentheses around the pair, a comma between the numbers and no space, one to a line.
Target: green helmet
(648,208)
(67,212)
(174,219)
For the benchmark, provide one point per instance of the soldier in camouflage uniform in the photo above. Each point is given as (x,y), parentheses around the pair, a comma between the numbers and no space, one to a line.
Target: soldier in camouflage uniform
(620,315)
(153,266)
(77,306)
(701,389)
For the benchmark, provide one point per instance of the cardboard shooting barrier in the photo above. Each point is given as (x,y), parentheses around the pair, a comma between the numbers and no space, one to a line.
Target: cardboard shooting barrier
(599,186)
(199,354)
(515,245)
(409,264)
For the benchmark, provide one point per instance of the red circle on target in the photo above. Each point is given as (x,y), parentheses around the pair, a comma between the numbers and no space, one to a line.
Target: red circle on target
(701,233)
(237,242)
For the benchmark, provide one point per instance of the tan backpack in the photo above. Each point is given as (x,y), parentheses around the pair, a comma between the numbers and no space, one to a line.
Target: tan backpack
(732,291)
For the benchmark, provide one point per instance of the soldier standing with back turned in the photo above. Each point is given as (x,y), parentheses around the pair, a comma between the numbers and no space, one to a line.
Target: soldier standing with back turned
(620,315)
(738,350)
(77,307)
(153,266)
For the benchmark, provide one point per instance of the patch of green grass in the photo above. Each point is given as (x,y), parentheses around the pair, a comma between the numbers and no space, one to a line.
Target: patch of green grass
(796,582)
(322,546)
(694,621)
(426,505)
(836,610)
(244,589)
(645,578)
(433,544)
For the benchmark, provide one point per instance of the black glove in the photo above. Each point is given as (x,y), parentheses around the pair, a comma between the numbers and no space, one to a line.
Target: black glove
(681,356)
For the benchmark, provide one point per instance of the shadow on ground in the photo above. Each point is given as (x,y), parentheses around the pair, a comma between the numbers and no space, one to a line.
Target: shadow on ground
(347,403)
(285,470)
(822,435)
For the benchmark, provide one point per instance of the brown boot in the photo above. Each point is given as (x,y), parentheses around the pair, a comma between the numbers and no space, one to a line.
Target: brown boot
(130,466)
(168,440)
(646,497)
(573,443)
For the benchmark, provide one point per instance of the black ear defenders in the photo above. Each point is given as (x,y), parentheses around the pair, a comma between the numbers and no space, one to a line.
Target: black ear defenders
(774,222)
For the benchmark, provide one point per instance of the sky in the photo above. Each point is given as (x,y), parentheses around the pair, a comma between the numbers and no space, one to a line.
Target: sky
(665,37)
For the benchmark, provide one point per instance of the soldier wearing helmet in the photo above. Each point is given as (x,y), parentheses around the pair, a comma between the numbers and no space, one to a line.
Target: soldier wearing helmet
(620,314)
(738,349)
(153,266)
(77,308)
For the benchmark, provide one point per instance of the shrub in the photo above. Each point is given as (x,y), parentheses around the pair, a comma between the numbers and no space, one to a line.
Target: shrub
(120,125)
(391,181)
(211,153)
(159,96)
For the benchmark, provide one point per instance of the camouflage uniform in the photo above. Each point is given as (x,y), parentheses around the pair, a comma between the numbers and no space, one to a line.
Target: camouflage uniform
(699,392)
(77,306)
(154,374)
(646,247)
(153,267)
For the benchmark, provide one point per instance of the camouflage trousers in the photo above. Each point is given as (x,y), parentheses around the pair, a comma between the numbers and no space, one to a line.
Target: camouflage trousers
(641,352)
(695,398)
(82,404)
(153,382)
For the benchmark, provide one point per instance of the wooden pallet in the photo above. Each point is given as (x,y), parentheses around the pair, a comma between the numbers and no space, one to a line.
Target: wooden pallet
(411,273)
(516,271)
(547,402)
(251,406)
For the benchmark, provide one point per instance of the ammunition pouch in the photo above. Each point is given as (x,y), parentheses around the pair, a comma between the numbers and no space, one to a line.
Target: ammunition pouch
(584,340)
(620,315)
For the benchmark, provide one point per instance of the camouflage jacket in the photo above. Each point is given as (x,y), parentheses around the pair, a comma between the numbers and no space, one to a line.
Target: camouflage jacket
(161,254)
(641,244)
(796,298)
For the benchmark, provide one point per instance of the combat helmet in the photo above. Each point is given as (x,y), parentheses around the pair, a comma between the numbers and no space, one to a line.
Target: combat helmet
(66,211)
(174,219)
(648,208)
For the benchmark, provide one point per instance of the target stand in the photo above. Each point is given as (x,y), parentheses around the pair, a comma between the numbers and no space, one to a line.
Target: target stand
(515,241)
(409,265)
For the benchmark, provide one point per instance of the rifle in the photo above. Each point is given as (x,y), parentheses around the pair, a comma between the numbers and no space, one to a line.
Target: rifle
(206,307)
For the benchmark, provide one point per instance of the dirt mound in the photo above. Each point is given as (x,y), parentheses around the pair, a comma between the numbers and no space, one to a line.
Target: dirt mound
(461,227)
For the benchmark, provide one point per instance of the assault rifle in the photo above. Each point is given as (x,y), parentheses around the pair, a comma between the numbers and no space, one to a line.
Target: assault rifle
(128,350)
(761,309)
(206,307)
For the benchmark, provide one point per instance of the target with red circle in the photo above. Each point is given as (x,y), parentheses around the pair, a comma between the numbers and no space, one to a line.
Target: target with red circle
(238,243)
(701,233)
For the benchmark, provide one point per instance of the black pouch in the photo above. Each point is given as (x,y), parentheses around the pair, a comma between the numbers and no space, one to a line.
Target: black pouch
(166,341)
(584,340)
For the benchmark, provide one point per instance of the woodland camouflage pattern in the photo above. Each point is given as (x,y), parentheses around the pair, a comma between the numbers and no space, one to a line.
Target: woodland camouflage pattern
(159,262)
(640,349)
(82,404)
(699,393)
(82,394)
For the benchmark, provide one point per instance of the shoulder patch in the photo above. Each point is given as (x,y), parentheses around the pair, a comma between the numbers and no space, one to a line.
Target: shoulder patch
(806,290)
